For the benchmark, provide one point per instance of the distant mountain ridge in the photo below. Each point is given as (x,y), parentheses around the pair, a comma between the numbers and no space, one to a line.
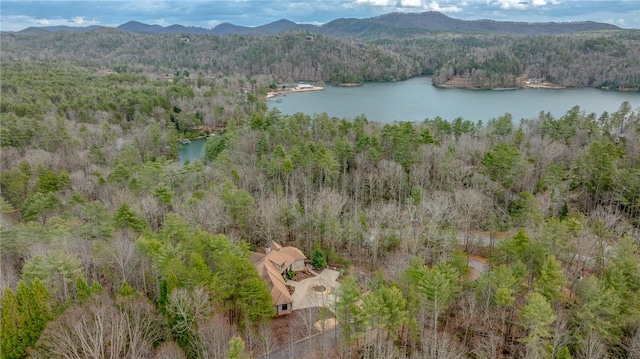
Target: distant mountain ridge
(388,24)
(142,28)
(436,21)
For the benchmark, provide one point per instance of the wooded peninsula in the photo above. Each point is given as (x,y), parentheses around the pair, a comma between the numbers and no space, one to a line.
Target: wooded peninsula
(449,238)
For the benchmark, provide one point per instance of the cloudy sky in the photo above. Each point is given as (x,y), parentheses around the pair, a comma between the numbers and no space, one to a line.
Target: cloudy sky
(17,15)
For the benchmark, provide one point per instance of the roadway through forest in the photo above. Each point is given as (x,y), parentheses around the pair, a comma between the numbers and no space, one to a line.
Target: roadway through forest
(489,241)
(474,238)
(477,264)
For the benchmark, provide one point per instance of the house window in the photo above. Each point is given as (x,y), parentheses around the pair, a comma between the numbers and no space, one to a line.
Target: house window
(284,306)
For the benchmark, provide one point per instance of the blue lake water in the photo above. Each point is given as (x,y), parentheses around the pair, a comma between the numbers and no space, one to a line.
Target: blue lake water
(417,99)
(193,150)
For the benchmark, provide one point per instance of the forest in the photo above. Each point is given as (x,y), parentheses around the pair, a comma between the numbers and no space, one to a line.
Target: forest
(110,248)
(604,59)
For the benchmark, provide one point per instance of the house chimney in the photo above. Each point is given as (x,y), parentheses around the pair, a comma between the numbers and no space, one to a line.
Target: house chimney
(267,248)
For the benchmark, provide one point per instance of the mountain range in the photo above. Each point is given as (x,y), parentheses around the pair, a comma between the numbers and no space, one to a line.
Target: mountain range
(389,24)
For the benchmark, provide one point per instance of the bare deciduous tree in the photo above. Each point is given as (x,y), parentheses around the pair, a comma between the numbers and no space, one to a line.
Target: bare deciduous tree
(444,348)
(169,350)
(396,264)
(306,319)
(98,329)
(592,347)
(634,346)
(121,254)
(215,334)
(489,346)
(267,339)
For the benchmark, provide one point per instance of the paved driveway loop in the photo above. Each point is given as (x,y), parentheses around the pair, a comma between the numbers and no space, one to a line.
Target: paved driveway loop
(304,297)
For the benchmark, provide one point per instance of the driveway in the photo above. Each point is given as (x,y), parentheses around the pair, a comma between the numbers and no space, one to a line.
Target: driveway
(306,297)
(477,266)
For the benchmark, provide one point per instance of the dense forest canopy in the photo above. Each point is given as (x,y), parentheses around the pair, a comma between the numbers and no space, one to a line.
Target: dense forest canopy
(608,59)
(112,249)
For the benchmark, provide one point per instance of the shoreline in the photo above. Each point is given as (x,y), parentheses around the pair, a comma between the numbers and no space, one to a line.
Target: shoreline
(272,94)
(521,83)
(544,86)
(453,85)
(622,89)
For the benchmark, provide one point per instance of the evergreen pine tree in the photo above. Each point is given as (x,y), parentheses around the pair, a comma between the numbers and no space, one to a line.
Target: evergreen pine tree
(537,317)
(83,291)
(163,296)
(348,311)
(24,317)
(125,289)
(236,348)
(12,327)
(318,260)
(96,288)
(551,279)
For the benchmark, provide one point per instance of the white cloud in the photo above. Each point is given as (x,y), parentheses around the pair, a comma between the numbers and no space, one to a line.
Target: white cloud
(20,22)
(521,4)
(375,2)
(15,22)
(81,21)
(411,3)
(435,6)
(317,23)
(214,23)
(509,4)
(161,22)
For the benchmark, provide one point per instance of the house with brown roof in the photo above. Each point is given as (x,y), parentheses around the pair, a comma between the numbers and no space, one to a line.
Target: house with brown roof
(272,266)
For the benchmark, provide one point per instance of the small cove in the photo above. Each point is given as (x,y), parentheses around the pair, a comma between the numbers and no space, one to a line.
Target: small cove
(193,150)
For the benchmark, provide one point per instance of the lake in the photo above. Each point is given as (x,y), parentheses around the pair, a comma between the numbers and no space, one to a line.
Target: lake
(193,150)
(417,99)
